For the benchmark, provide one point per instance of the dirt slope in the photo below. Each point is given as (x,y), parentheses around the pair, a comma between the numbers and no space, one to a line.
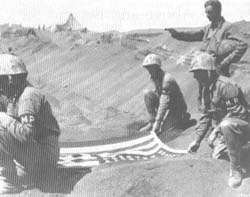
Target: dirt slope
(94,79)
(94,82)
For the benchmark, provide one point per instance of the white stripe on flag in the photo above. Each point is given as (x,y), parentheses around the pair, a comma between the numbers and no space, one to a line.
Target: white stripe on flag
(131,152)
(82,164)
(107,147)
(167,148)
(146,146)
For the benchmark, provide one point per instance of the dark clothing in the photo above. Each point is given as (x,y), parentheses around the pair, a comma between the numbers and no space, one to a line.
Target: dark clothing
(31,116)
(166,103)
(231,115)
(171,97)
(29,135)
(225,103)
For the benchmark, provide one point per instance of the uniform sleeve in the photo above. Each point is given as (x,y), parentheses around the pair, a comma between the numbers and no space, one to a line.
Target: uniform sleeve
(239,51)
(216,97)
(23,128)
(190,35)
(203,126)
(164,99)
(213,110)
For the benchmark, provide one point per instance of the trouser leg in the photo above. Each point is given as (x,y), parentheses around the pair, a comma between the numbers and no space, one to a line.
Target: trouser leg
(9,181)
(170,121)
(39,160)
(234,131)
(151,100)
(176,118)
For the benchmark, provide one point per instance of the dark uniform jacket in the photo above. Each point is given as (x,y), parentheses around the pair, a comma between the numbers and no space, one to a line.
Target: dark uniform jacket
(227,101)
(30,116)
(171,97)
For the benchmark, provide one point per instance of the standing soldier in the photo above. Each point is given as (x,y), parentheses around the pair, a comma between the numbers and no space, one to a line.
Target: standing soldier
(212,36)
(165,105)
(28,130)
(226,106)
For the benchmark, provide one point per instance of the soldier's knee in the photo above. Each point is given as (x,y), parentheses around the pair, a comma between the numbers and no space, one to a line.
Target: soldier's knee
(227,127)
(147,92)
(225,124)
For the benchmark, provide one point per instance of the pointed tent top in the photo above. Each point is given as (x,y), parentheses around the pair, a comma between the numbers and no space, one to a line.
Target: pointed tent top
(72,23)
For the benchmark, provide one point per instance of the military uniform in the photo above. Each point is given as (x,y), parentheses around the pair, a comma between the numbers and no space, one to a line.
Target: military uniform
(28,130)
(29,135)
(227,108)
(212,36)
(166,103)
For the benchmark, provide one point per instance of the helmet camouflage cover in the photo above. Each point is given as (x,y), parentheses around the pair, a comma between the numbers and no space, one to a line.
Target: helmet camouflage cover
(202,61)
(11,65)
(152,59)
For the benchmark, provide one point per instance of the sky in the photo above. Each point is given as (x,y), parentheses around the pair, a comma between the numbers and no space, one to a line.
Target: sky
(121,15)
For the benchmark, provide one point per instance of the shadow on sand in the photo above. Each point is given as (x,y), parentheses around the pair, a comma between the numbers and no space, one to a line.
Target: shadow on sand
(64,181)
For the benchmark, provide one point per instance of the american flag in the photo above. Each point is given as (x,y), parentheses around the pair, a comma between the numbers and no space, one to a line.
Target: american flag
(141,147)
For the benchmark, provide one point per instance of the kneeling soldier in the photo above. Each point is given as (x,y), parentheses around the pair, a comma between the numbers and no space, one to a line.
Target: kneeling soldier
(28,130)
(225,106)
(166,104)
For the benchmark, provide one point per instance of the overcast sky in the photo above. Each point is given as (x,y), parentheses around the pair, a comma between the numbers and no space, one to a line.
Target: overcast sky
(122,15)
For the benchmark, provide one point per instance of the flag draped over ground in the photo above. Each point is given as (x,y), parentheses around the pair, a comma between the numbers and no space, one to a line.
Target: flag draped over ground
(140,147)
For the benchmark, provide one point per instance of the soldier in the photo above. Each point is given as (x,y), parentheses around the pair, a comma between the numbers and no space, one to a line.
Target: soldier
(212,36)
(227,107)
(29,132)
(165,105)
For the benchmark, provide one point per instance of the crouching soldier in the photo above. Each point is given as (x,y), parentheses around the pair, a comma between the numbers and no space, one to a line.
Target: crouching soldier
(227,108)
(28,130)
(165,104)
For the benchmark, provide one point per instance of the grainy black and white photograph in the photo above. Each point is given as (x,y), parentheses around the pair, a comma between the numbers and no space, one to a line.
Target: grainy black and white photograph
(124,98)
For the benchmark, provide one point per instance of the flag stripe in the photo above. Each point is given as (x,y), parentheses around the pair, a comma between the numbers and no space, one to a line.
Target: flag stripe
(103,142)
(107,147)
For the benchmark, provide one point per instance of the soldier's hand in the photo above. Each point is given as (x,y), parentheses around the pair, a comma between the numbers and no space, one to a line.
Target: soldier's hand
(156,127)
(5,120)
(193,146)
(172,31)
(12,110)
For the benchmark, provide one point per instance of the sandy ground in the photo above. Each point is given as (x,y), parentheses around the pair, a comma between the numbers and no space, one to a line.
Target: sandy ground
(94,84)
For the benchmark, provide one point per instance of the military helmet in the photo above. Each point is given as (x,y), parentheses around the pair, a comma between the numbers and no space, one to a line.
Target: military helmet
(11,65)
(152,59)
(202,61)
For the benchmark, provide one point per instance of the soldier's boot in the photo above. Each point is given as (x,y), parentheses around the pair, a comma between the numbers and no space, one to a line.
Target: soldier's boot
(219,148)
(233,138)
(235,177)
(236,173)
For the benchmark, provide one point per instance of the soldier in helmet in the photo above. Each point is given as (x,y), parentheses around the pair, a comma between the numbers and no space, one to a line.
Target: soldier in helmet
(28,130)
(226,107)
(165,104)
